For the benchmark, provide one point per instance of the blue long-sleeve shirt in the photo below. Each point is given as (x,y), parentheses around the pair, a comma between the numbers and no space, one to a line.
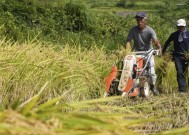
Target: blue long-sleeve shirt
(179,47)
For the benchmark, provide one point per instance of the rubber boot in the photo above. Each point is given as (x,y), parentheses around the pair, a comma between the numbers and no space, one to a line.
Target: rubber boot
(154,90)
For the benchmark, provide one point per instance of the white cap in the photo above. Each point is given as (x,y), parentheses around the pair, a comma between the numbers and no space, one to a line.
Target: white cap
(181,22)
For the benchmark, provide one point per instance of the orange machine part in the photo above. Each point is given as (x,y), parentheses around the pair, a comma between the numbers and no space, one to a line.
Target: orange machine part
(140,63)
(129,85)
(134,93)
(111,77)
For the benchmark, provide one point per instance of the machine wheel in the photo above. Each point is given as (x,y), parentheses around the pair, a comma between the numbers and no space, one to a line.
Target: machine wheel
(145,91)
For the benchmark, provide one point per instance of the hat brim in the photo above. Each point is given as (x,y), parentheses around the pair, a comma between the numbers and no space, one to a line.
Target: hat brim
(139,16)
(181,25)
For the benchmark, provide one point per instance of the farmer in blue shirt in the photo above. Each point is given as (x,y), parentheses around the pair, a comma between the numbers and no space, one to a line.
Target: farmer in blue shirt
(180,39)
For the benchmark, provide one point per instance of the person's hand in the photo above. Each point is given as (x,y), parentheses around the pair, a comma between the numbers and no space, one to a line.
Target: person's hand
(160,52)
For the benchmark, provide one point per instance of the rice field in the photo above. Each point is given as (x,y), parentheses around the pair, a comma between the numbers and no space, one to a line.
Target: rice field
(48,89)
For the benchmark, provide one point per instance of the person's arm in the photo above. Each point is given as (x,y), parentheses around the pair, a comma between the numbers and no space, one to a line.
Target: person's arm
(187,43)
(158,45)
(128,45)
(156,42)
(167,43)
(128,42)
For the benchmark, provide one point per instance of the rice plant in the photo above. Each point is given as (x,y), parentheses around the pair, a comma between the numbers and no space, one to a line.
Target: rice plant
(47,89)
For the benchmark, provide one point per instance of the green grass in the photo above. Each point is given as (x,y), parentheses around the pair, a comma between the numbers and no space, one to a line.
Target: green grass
(150,3)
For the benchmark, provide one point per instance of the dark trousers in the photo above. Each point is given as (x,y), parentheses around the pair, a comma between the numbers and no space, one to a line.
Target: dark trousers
(181,66)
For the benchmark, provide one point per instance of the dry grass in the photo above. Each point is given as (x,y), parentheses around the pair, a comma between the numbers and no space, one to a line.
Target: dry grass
(50,90)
